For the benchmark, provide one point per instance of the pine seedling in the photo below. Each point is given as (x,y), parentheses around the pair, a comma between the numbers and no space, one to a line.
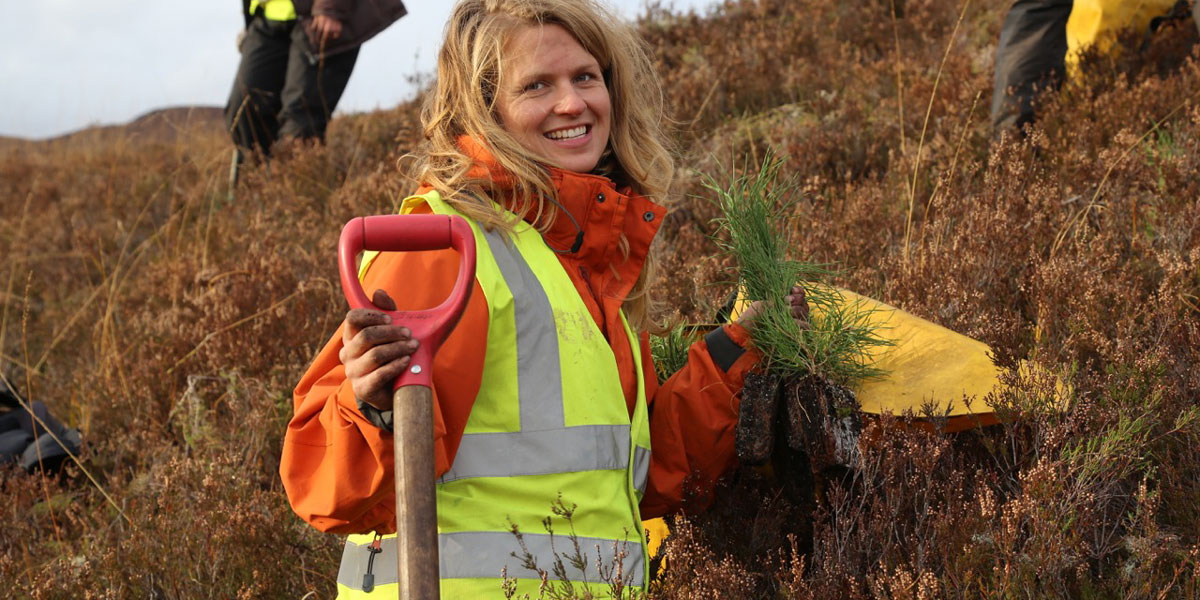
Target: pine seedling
(753,230)
(670,351)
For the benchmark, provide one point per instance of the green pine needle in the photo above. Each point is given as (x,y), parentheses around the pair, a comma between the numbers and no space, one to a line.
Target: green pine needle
(753,230)
(670,351)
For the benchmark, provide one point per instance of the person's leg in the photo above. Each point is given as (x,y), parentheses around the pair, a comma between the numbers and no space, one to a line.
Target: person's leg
(314,86)
(254,101)
(1030,58)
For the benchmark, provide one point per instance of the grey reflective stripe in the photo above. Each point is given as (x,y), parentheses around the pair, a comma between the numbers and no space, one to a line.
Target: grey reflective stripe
(539,378)
(566,450)
(356,557)
(484,555)
(641,468)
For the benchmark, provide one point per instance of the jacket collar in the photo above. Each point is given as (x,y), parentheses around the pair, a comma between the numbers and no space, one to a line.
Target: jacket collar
(593,214)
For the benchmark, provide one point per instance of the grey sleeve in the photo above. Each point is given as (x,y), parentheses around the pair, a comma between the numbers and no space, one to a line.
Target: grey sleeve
(379,418)
(723,350)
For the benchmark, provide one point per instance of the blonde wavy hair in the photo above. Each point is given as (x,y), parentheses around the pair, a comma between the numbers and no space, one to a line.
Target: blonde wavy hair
(463,103)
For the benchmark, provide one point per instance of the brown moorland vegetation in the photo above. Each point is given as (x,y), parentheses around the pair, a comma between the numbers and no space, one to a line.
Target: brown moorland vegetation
(170,325)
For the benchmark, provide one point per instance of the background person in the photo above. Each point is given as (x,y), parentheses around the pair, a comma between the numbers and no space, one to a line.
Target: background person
(1032,54)
(297,56)
(1030,58)
(544,132)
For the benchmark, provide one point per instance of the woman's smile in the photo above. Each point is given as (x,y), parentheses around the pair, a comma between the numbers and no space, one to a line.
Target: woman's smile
(573,133)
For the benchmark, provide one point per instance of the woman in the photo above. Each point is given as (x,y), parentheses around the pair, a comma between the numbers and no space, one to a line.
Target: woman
(543,132)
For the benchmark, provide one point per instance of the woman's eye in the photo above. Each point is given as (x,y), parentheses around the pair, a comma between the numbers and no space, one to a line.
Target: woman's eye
(587,77)
(535,86)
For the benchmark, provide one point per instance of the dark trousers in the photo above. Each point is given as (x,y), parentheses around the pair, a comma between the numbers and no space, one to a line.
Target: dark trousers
(1030,58)
(282,88)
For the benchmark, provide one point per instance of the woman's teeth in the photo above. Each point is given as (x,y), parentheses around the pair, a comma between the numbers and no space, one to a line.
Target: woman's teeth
(563,134)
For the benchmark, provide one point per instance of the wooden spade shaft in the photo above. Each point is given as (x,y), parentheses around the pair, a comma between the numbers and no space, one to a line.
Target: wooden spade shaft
(416,503)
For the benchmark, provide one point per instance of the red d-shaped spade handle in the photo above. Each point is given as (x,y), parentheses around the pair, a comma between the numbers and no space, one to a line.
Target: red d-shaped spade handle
(401,233)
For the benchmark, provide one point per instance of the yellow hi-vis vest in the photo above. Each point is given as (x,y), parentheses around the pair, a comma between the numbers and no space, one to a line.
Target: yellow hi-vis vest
(550,422)
(274,10)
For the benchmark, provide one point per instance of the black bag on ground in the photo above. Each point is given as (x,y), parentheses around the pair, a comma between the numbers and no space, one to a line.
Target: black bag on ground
(25,441)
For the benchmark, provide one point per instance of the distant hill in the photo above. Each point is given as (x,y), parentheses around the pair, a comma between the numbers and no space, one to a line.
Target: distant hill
(167,123)
(162,125)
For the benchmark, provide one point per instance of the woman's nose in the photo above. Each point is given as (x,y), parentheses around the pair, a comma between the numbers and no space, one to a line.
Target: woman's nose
(570,102)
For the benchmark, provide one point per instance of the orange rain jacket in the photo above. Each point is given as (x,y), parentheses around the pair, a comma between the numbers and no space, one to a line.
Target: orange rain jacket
(337,465)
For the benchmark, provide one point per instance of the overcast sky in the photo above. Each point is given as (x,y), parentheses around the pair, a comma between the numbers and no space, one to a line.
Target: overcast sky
(67,64)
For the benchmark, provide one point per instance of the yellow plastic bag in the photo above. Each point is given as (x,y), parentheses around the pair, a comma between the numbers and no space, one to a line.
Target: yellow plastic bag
(1098,22)
(928,369)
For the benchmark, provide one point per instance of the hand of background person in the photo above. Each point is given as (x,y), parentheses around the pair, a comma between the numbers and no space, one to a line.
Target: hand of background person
(375,352)
(795,300)
(326,28)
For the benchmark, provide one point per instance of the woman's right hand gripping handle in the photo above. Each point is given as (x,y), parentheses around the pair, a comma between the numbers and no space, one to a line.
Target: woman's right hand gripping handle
(376,349)
(375,352)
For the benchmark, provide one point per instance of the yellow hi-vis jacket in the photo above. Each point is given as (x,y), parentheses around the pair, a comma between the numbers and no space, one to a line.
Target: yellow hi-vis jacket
(550,424)
(275,10)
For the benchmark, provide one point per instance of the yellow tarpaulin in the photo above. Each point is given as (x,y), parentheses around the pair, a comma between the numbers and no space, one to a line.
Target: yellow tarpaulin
(927,369)
(1098,22)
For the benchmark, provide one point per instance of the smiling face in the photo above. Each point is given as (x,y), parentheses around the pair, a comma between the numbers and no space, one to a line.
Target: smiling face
(552,98)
